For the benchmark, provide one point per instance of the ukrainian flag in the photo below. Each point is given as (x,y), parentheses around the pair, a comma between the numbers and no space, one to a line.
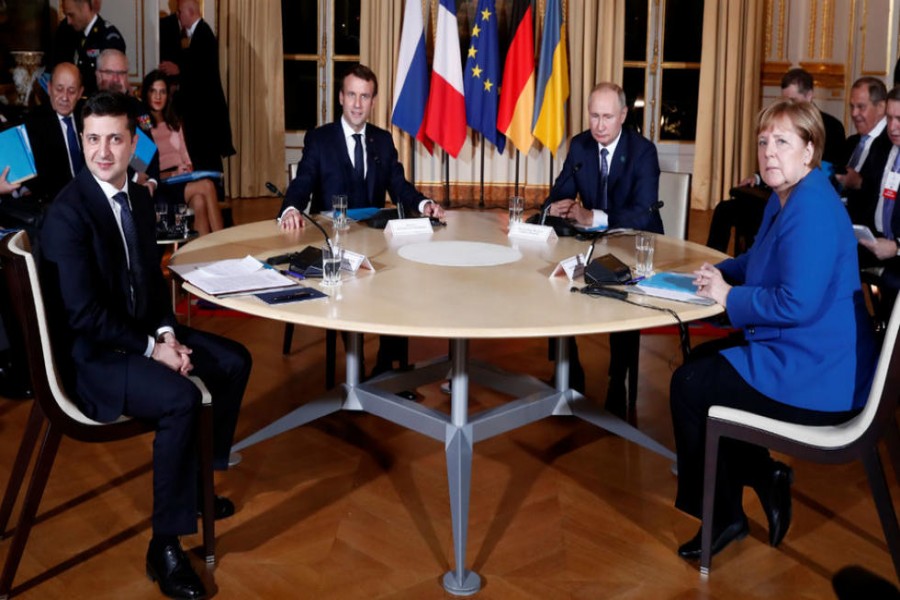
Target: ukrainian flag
(549,123)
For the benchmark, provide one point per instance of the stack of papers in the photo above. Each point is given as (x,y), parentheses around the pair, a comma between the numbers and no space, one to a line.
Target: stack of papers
(235,276)
(672,286)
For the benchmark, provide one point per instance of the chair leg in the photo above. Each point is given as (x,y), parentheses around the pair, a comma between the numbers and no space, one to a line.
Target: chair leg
(288,338)
(20,466)
(205,442)
(39,477)
(710,469)
(884,504)
(892,441)
(330,357)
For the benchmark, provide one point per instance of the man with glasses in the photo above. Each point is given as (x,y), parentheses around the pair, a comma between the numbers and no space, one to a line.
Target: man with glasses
(82,37)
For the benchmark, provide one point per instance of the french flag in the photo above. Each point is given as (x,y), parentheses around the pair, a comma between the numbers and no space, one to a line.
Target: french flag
(445,117)
(411,87)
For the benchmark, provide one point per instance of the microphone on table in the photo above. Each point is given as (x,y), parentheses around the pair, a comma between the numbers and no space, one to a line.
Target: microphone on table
(271,187)
(546,208)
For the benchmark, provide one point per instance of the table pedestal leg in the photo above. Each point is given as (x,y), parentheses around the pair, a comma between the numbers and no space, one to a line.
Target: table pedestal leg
(460,581)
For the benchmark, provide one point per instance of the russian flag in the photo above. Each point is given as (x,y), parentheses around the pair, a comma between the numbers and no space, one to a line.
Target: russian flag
(411,87)
(445,116)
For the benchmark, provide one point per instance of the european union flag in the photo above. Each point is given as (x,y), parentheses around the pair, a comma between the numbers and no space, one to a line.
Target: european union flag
(481,76)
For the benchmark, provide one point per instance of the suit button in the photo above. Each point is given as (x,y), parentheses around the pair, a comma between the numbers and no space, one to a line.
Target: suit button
(751,330)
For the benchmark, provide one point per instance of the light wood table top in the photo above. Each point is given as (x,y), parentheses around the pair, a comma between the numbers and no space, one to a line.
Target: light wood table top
(402,297)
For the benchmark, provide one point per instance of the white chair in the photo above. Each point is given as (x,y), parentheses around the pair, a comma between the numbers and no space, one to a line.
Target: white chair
(857,439)
(63,417)
(675,193)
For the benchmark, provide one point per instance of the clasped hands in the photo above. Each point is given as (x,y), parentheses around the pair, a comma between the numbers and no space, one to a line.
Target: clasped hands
(571,209)
(711,284)
(172,353)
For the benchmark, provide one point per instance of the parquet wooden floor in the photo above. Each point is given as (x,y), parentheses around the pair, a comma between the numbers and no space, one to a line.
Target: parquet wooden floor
(353,507)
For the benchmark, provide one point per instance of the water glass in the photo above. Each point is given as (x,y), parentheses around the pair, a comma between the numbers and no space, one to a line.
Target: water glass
(162,217)
(332,255)
(180,210)
(516,207)
(339,206)
(644,245)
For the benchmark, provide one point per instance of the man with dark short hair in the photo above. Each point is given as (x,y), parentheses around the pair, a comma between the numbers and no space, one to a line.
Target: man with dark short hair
(120,349)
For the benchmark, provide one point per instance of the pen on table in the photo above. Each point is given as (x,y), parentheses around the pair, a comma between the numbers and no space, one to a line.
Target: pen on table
(635,280)
(292,273)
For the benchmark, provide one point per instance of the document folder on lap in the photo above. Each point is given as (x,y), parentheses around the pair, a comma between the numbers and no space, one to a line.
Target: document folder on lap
(15,153)
(143,154)
(192,176)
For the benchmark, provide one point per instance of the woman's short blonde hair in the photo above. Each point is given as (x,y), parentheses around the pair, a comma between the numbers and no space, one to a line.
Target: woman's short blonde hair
(805,119)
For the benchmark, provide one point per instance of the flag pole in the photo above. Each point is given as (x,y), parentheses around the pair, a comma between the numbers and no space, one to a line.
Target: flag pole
(481,197)
(517,173)
(446,179)
(412,158)
(551,170)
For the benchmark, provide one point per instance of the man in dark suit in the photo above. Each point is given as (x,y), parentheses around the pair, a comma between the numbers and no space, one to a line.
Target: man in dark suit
(884,251)
(356,158)
(55,134)
(121,350)
(865,152)
(189,52)
(615,172)
(82,37)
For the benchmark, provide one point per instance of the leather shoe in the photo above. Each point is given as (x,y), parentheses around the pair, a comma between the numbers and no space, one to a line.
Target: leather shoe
(775,498)
(222,507)
(168,565)
(692,549)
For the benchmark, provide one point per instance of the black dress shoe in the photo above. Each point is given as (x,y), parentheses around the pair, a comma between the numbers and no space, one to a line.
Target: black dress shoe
(738,530)
(222,507)
(775,497)
(168,565)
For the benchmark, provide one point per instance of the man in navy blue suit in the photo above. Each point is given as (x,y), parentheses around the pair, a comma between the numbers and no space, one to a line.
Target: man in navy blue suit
(119,347)
(615,174)
(358,159)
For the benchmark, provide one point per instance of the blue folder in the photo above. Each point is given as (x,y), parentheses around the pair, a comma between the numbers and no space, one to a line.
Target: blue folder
(143,154)
(15,153)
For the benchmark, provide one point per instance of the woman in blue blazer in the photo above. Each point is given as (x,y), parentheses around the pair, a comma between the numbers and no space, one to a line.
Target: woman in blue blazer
(806,352)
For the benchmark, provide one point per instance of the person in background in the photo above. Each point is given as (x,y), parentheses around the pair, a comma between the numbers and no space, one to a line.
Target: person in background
(806,353)
(884,251)
(81,37)
(174,159)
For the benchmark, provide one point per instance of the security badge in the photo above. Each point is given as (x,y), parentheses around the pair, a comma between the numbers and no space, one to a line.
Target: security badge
(891,185)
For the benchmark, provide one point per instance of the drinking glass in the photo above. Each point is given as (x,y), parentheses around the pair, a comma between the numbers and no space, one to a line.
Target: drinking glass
(332,255)
(644,245)
(180,210)
(516,206)
(339,206)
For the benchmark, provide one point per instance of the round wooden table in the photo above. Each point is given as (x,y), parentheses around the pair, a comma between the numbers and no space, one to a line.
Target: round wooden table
(517,299)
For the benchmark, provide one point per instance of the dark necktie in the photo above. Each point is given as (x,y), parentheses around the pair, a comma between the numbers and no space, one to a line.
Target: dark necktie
(72,142)
(857,153)
(358,160)
(604,177)
(888,206)
(129,230)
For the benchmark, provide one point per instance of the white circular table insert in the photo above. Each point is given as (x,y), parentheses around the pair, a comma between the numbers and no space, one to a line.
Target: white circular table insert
(460,254)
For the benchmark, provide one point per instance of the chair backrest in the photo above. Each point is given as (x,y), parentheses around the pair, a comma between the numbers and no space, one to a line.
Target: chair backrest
(675,193)
(24,287)
(885,392)
(292,171)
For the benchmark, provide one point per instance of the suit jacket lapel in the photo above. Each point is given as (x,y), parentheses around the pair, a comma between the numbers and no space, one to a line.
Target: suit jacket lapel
(371,165)
(97,205)
(617,165)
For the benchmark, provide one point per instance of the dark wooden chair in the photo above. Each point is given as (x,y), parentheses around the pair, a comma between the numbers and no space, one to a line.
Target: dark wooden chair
(857,439)
(62,417)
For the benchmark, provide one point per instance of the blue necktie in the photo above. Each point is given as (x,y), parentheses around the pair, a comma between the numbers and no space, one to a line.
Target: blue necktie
(604,177)
(857,153)
(74,149)
(888,205)
(129,230)
(358,160)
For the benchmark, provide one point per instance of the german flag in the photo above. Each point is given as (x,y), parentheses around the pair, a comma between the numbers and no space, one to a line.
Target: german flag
(516,109)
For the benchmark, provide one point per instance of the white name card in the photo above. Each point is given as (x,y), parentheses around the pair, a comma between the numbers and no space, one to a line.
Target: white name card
(353,261)
(409,226)
(530,232)
(572,267)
